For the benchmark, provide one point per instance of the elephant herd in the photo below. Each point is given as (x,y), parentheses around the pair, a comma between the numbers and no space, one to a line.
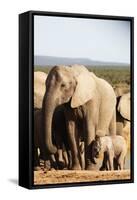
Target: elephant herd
(77,118)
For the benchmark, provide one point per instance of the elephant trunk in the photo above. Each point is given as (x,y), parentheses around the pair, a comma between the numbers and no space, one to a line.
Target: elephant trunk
(48,111)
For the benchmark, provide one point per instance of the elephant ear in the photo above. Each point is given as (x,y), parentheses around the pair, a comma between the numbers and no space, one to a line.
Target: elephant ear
(124,106)
(84,90)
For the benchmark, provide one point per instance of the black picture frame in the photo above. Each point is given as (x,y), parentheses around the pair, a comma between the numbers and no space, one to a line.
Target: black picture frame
(26,121)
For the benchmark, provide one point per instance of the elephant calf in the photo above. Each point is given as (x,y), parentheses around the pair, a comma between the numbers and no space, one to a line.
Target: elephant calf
(114,149)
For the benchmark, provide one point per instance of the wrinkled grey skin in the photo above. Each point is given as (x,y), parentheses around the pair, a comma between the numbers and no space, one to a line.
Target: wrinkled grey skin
(114,148)
(89,102)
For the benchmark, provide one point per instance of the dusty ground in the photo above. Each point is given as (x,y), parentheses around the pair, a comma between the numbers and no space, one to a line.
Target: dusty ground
(69,176)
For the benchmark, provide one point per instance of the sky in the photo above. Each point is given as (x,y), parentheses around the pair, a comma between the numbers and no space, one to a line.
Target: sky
(96,39)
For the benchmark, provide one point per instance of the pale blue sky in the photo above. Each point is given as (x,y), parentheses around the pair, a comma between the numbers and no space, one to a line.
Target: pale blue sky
(101,40)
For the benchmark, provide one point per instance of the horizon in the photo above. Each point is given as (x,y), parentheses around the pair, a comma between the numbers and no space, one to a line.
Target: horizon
(100,61)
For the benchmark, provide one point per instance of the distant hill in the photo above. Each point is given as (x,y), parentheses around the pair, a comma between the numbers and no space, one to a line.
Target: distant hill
(51,60)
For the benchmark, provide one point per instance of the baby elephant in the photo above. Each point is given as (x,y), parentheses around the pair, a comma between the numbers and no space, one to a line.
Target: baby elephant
(114,149)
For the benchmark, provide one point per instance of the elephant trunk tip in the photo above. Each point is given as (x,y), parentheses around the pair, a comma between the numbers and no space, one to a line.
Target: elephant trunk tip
(51,149)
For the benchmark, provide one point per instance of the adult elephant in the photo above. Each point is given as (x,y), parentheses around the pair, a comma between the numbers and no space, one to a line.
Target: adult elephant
(39,91)
(57,128)
(122,122)
(122,112)
(88,101)
(39,88)
(61,159)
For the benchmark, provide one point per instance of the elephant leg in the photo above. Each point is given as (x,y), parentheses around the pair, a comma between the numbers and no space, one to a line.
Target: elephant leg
(65,156)
(82,161)
(47,165)
(53,162)
(49,162)
(61,163)
(104,163)
(36,160)
(119,127)
(82,155)
(73,145)
(60,155)
(112,126)
(108,165)
(81,146)
(89,137)
(121,161)
(115,164)
(107,119)
(69,159)
(36,139)
(110,160)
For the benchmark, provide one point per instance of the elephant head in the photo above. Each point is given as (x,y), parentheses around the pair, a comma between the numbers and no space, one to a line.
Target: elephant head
(39,88)
(96,147)
(64,84)
(124,106)
(119,91)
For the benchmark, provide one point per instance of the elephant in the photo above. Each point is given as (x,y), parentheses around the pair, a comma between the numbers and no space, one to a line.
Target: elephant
(120,90)
(122,112)
(61,159)
(39,91)
(89,102)
(114,148)
(39,88)
(122,121)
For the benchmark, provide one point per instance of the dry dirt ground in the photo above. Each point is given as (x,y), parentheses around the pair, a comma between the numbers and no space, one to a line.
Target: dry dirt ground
(71,176)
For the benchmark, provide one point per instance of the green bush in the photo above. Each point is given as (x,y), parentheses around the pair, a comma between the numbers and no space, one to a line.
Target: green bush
(114,75)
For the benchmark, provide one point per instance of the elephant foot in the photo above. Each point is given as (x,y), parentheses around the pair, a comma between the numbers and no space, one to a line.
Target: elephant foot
(76,167)
(54,165)
(91,165)
(47,165)
(102,168)
(52,169)
(61,165)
